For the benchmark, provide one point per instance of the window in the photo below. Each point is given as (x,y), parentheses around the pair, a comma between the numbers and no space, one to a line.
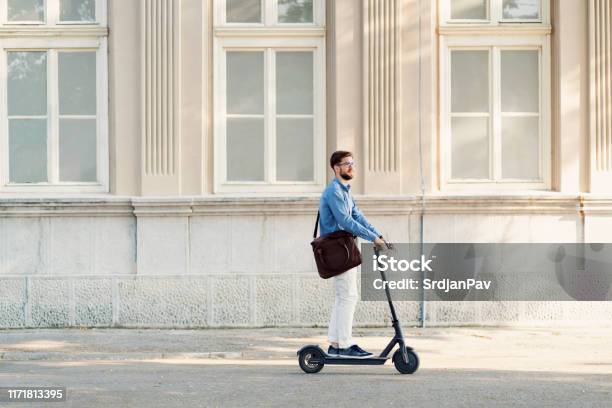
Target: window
(52,12)
(269,96)
(493,11)
(495,94)
(53,86)
(270,12)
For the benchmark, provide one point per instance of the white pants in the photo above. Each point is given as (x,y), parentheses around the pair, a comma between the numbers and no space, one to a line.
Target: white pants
(341,321)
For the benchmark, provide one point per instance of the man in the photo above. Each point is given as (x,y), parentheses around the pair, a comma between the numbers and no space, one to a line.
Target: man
(339,212)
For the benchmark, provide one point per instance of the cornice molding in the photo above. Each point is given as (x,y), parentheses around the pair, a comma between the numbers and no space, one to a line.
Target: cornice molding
(596,205)
(307,205)
(65,206)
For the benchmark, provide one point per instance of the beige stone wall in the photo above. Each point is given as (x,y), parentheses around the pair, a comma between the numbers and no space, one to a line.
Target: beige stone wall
(351,25)
(203,262)
(181,256)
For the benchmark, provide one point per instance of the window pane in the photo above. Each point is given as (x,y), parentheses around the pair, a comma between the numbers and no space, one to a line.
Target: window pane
(294,146)
(245,82)
(520,147)
(295,11)
(294,82)
(77,83)
(26,10)
(469,9)
(27,150)
(243,11)
(521,9)
(245,149)
(78,10)
(470,148)
(27,83)
(520,81)
(470,81)
(77,150)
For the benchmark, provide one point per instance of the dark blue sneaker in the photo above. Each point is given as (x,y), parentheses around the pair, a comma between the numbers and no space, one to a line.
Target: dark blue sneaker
(354,352)
(332,351)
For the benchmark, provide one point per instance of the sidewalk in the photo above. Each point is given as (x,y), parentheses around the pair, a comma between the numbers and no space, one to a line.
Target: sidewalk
(575,350)
(467,367)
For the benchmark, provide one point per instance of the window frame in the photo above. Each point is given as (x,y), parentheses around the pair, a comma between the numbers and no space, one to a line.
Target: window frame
(269,15)
(269,46)
(496,44)
(503,34)
(494,15)
(52,16)
(264,36)
(53,37)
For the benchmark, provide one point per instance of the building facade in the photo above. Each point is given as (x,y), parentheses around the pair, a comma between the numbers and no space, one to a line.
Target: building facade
(161,160)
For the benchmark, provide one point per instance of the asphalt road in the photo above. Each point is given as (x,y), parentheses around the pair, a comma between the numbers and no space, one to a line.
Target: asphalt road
(267,383)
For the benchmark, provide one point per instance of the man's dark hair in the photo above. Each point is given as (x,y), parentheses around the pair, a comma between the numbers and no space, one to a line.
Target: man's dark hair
(337,157)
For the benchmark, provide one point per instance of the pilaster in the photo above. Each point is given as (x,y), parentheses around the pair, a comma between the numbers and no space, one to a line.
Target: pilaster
(600,55)
(160,97)
(381,96)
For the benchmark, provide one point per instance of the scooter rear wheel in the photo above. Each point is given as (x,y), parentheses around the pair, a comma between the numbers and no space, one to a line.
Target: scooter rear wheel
(305,358)
(406,368)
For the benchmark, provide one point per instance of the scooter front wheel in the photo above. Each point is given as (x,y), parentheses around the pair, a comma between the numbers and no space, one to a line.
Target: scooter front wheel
(406,367)
(309,360)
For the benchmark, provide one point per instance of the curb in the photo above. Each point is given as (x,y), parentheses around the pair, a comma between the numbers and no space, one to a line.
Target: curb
(63,356)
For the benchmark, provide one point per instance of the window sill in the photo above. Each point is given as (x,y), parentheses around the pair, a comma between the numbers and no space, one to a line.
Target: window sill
(67,30)
(277,31)
(501,193)
(50,189)
(495,29)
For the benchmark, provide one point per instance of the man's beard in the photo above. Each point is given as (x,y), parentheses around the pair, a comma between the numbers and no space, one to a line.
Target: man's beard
(346,177)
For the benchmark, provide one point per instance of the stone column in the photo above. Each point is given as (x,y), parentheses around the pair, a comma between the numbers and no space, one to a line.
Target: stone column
(381,96)
(160,97)
(600,57)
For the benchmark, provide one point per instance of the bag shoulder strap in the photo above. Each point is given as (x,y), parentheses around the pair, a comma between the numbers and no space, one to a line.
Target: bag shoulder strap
(316,225)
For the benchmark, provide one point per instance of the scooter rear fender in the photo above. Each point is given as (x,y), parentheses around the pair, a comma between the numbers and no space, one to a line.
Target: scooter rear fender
(310,345)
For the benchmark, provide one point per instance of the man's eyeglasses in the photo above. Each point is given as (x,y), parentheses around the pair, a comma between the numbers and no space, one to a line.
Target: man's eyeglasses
(348,163)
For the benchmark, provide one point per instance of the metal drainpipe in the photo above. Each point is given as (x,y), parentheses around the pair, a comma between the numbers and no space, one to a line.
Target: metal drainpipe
(422,218)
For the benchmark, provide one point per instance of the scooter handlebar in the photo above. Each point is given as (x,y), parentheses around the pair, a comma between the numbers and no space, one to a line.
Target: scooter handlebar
(388,246)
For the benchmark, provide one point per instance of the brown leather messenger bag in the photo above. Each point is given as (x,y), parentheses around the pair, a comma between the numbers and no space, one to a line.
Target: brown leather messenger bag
(335,253)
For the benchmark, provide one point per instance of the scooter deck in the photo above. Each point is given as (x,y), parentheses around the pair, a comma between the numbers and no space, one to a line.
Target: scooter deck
(355,361)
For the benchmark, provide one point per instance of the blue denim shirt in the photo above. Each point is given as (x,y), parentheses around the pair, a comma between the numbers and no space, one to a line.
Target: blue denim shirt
(339,212)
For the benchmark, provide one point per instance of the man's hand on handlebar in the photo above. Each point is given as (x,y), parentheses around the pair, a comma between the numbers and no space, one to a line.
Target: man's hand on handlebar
(380,243)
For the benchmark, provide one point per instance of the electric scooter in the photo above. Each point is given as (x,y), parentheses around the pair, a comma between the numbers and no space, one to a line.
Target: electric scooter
(312,358)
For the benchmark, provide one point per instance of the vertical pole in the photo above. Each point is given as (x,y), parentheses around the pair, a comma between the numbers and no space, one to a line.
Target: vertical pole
(384,278)
(421,232)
